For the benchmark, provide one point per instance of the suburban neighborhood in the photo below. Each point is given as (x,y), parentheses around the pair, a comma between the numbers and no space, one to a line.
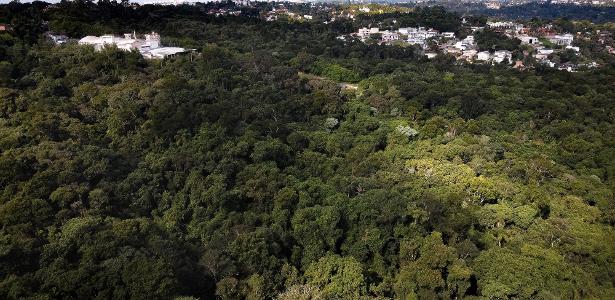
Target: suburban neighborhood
(539,44)
(518,44)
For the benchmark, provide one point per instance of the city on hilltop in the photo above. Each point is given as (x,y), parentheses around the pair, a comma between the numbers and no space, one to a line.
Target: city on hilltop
(541,42)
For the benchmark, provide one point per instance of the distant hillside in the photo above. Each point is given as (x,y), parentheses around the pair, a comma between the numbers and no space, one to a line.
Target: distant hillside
(552,11)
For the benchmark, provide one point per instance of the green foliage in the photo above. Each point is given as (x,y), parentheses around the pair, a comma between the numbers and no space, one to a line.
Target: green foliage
(534,272)
(338,277)
(336,72)
(431,269)
(238,173)
(315,229)
(488,40)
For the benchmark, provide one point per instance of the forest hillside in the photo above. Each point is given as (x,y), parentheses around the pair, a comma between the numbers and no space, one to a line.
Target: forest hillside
(280,163)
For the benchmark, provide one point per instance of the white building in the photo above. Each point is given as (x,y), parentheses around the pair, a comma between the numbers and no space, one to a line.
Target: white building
(528,40)
(165,2)
(465,44)
(501,56)
(575,49)
(543,54)
(418,36)
(505,25)
(363,32)
(406,30)
(483,56)
(366,32)
(493,5)
(128,42)
(419,32)
(388,36)
(417,41)
(561,39)
(468,55)
(545,51)
(431,33)
(163,52)
(448,35)
(57,39)
(500,24)
(149,47)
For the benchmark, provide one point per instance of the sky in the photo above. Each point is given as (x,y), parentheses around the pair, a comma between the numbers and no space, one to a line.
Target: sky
(137,1)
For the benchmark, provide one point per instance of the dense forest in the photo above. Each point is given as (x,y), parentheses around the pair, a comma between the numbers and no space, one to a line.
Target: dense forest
(281,163)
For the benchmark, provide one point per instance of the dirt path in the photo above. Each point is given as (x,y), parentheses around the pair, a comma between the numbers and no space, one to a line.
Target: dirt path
(342,85)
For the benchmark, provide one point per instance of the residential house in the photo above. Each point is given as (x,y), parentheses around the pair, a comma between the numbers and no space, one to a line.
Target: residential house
(519,65)
(417,36)
(493,5)
(419,32)
(483,56)
(548,63)
(468,55)
(417,40)
(452,50)
(363,33)
(57,39)
(573,48)
(388,36)
(431,33)
(561,39)
(501,56)
(505,26)
(542,54)
(570,67)
(448,35)
(545,31)
(528,40)
(367,32)
(500,24)
(465,44)
(407,30)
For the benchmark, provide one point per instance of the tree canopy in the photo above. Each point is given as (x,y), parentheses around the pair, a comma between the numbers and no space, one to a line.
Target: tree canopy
(282,163)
